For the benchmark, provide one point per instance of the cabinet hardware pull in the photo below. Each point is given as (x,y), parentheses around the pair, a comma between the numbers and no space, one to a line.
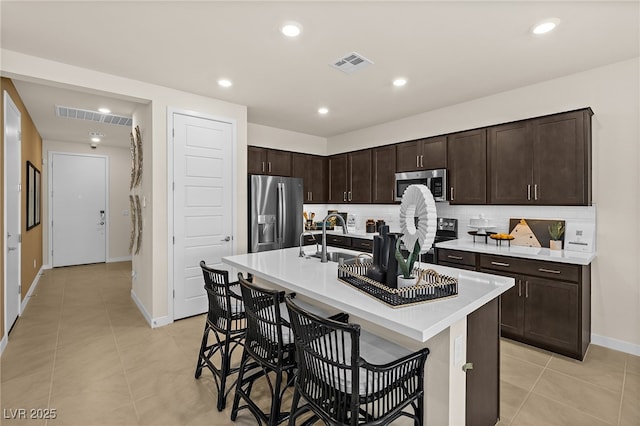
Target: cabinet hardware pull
(519,288)
(263,167)
(421,162)
(349,196)
(500,264)
(528,192)
(344,196)
(310,195)
(269,166)
(551,271)
(454,257)
(526,289)
(417,161)
(535,192)
(451,194)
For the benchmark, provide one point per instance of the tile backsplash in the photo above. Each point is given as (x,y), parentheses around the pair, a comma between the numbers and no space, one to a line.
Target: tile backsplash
(498,216)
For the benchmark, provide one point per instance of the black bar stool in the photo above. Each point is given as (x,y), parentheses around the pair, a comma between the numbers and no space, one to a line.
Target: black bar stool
(350,377)
(226,320)
(269,347)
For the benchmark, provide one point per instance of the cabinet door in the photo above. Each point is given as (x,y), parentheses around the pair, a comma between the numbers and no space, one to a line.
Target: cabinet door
(510,163)
(359,188)
(483,381)
(433,153)
(551,313)
(467,159)
(561,159)
(338,178)
(511,306)
(256,160)
(317,176)
(383,170)
(300,164)
(279,163)
(408,156)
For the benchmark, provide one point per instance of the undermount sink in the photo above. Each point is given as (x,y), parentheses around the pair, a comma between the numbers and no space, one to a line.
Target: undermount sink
(334,256)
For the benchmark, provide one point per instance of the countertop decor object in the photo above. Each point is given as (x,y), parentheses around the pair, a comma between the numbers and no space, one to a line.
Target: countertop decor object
(418,217)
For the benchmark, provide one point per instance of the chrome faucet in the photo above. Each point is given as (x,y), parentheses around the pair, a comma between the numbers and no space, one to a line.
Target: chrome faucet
(323,256)
(301,254)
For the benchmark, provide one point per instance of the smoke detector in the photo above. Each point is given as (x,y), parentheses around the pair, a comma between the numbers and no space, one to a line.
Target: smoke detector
(351,63)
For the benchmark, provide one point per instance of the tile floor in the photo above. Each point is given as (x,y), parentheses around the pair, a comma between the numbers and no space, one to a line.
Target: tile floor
(82,348)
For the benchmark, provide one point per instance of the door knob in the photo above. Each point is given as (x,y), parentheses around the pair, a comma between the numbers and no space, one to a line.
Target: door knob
(12,248)
(467,366)
(227,238)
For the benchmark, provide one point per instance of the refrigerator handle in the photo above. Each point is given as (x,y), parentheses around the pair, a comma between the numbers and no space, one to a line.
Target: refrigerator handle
(280,213)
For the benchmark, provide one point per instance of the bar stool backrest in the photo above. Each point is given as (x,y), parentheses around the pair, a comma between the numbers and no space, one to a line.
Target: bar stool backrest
(268,335)
(225,304)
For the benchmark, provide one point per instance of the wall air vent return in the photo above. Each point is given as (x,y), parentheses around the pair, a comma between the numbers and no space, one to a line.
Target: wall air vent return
(351,62)
(95,116)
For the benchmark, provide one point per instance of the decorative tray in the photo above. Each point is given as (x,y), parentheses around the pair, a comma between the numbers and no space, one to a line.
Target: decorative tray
(432,286)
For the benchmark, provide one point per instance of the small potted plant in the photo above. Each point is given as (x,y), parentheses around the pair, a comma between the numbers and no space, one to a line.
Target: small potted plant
(556,230)
(407,279)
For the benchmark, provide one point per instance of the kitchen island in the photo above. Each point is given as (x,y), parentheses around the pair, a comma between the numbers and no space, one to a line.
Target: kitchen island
(440,325)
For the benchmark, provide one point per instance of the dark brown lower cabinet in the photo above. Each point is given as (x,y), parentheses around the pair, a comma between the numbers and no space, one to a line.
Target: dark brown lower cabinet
(483,351)
(550,305)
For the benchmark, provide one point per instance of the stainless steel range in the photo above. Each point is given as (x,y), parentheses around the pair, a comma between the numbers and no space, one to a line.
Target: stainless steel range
(447,229)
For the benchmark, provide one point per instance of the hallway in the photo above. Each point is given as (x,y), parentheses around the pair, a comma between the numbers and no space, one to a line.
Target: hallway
(82,348)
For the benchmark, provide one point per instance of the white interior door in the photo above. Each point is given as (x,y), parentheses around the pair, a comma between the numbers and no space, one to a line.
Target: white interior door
(203,206)
(12,245)
(78,208)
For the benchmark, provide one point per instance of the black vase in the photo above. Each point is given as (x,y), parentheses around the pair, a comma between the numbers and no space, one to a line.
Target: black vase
(390,256)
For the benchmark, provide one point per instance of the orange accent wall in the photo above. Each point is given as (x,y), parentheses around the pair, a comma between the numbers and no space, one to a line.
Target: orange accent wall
(32,239)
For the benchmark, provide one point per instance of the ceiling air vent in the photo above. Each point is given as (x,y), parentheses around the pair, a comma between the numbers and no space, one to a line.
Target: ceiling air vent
(351,62)
(95,116)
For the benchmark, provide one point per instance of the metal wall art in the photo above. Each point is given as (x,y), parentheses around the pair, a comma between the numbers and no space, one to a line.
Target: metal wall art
(136,158)
(135,239)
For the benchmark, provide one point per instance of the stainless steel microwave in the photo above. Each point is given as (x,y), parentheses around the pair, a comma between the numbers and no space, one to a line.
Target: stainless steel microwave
(435,180)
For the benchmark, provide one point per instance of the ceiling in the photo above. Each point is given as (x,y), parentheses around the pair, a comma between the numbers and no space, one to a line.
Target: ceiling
(449,52)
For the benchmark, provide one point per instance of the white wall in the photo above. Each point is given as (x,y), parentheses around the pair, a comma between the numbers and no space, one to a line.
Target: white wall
(272,137)
(118,196)
(156,189)
(613,92)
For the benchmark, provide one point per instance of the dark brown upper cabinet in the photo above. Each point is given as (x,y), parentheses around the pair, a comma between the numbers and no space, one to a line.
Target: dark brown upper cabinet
(265,161)
(467,167)
(542,161)
(383,166)
(422,154)
(313,171)
(350,177)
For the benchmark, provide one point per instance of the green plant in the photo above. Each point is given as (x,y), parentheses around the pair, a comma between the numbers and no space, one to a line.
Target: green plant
(556,230)
(406,266)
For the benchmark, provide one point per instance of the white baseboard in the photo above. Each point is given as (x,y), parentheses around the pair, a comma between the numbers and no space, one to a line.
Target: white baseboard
(3,344)
(161,321)
(618,345)
(153,322)
(141,307)
(27,297)
(119,259)
(46,266)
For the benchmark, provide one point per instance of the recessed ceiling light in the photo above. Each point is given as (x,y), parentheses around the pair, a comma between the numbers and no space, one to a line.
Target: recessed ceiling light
(104,110)
(399,82)
(291,29)
(224,82)
(545,26)
(323,110)
(95,139)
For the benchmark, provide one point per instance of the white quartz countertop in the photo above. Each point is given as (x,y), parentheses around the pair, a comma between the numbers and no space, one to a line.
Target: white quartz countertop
(319,281)
(545,254)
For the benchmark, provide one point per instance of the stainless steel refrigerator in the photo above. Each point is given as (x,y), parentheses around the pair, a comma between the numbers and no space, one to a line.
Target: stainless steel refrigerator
(275,212)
